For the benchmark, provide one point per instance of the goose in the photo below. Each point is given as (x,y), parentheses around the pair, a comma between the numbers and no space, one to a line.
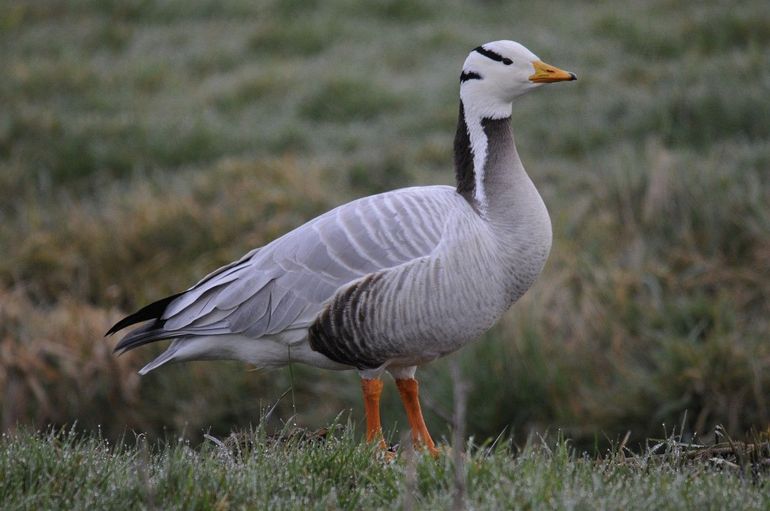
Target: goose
(388,282)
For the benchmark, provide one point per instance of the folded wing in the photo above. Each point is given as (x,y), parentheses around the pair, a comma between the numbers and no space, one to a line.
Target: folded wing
(284,285)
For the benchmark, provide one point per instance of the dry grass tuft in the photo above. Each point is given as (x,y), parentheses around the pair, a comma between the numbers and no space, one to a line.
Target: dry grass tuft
(54,366)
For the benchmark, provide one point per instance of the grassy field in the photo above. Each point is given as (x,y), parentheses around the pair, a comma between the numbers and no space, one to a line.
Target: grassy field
(142,144)
(60,470)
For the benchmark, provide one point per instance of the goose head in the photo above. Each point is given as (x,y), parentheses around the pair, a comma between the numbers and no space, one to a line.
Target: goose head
(496,73)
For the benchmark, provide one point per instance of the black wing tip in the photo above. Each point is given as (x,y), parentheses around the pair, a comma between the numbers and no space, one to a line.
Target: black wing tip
(152,311)
(120,325)
(125,322)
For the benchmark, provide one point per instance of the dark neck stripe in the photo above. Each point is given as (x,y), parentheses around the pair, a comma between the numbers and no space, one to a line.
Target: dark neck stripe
(469,75)
(464,172)
(499,141)
(489,54)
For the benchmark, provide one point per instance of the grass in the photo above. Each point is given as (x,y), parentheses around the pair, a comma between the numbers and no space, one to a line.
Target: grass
(143,144)
(332,470)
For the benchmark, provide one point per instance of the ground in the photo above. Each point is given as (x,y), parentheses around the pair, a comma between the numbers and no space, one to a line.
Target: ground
(332,470)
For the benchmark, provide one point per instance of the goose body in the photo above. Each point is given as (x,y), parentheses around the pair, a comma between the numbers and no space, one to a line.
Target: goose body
(387,282)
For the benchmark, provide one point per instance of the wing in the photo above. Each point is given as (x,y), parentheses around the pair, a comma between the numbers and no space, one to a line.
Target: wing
(284,285)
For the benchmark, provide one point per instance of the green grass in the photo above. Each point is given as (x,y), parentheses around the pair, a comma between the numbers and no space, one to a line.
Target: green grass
(142,144)
(332,470)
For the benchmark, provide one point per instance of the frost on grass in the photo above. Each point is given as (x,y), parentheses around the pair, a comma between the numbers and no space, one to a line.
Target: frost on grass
(296,470)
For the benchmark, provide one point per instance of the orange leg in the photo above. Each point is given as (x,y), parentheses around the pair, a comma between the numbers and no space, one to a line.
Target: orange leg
(372,390)
(409,390)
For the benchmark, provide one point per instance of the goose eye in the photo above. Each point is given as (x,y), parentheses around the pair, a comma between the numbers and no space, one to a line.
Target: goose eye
(507,61)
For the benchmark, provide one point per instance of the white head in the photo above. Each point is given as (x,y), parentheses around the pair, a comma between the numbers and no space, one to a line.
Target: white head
(495,73)
(493,76)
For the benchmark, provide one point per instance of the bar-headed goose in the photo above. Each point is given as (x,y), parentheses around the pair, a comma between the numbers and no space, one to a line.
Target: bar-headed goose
(387,282)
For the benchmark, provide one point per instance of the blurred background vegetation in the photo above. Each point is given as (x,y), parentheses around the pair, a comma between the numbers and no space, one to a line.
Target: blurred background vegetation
(143,143)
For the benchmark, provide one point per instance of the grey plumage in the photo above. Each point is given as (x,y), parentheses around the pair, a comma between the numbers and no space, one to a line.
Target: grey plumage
(389,281)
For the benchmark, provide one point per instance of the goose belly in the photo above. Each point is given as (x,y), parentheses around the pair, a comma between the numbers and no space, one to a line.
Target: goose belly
(445,314)
(414,313)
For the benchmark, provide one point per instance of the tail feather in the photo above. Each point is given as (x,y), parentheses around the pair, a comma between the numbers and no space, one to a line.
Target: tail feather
(152,332)
(141,336)
(164,358)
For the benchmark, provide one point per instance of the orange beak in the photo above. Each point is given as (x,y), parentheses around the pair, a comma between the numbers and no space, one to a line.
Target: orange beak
(546,73)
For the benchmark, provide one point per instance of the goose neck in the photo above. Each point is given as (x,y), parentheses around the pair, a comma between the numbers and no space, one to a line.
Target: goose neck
(487,165)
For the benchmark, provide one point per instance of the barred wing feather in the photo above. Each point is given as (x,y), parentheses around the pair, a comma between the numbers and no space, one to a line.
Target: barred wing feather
(285,284)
